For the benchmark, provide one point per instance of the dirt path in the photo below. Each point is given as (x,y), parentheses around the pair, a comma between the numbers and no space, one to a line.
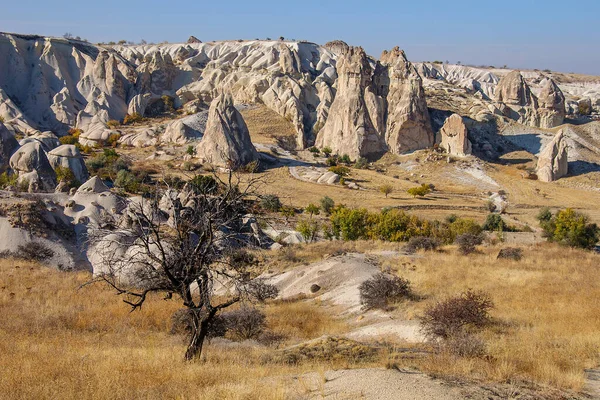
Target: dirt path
(373,384)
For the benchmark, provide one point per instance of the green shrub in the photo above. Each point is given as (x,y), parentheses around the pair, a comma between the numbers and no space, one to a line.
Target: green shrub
(69,139)
(205,184)
(7,180)
(113,124)
(64,174)
(361,163)
(350,224)
(312,209)
(327,151)
(327,204)
(313,149)
(340,170)
(309,228)
(132,119)
(270,202)
(331,161)
(345,159)
(396,226)
(420,191)
(191,150)
(113,140)
(573,229)
(494,222)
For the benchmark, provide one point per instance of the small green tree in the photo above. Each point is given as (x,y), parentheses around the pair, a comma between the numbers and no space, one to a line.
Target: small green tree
(386,189)
(419,191)
(191,150)
(327,151)
(312,209)
(308,228)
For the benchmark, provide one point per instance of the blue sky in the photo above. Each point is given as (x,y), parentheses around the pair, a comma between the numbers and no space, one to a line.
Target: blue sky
(521,34)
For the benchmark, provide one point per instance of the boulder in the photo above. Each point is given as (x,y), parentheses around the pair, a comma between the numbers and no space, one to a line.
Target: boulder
(138,104)
(179,133)
(31,163)
(351,124)
(226,141)
(408,125)
(553,161)
(48,140)
(68,156)
(454,136)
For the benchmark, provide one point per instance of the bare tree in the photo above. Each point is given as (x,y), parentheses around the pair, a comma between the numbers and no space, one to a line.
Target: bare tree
(185,243)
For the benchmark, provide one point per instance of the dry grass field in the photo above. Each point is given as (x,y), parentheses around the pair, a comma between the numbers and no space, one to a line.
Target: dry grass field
(58,340)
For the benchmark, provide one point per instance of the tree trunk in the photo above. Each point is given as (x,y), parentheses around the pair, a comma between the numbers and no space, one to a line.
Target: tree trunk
(194,350)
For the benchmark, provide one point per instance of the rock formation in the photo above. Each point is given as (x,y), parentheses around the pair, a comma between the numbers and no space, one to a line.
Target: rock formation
(179,133)
(93,185)
(350,126)
(516,99)
(553,162)
(8,144)
(193,39)
(454,136)
(408,127)
(551,103)
(33,167)
(226,141)
(68,156)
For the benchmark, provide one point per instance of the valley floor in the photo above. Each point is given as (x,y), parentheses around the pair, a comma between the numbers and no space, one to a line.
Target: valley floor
(59,339)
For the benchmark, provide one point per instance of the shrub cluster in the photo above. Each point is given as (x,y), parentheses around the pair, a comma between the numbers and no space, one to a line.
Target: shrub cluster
(383,289)
(241,324)
(270,202)
(32,251)
(421,243)
(420,191)
(395,226)
(457,315)
(569,227)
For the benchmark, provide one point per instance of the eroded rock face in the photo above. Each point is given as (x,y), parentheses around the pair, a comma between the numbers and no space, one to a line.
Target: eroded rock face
(32,165)
(516,100)
(226,141)
(194,39)
(68,156)
(408,126)
(553,161)
(454,137)
(552,105)
(8,144)
(179,133)
(351,123)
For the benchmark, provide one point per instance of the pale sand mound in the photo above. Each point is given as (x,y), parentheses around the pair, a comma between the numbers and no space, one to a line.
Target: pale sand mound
(339,279)
(373,384)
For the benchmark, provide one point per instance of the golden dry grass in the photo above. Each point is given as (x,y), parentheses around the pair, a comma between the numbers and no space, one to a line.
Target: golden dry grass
(546,306)
(58,341)
(265,125)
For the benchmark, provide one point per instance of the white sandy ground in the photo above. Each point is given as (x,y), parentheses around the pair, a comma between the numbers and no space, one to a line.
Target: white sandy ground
(339,278)
(372,384)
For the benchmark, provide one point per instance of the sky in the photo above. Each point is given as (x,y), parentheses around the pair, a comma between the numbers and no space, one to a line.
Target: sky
(524,34)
